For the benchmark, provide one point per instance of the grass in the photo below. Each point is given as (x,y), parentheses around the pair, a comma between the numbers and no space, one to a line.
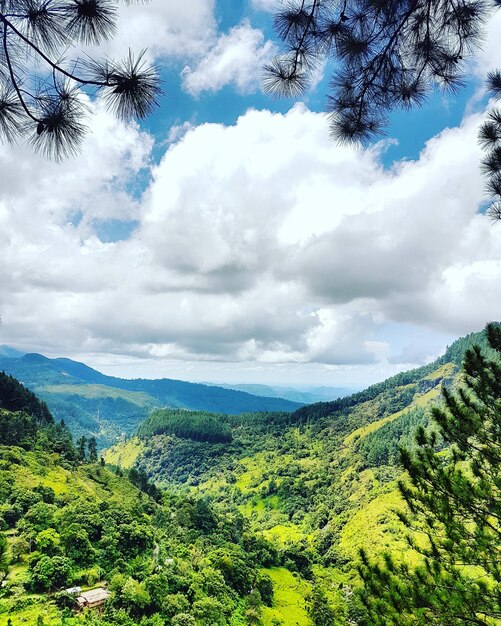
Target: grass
(420,400)
(289,606)
(284,534)
(92,481)
(29,615)
(375,528)
(362,432)
(124,454)
(426,399)
(444,371)
(139,398)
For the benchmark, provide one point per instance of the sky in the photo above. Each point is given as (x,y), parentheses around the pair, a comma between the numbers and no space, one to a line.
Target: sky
(227,238)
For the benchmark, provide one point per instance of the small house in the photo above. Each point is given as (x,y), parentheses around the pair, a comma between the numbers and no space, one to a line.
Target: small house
(93,599)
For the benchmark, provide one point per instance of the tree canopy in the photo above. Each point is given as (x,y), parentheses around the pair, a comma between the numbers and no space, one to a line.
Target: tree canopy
(41,95)
(454,503)
(387,55)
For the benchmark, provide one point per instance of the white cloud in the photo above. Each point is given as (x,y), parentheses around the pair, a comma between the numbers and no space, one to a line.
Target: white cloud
(266,5)
(261,242)
(186,32)
(236,58)
(489,57)
(168,29)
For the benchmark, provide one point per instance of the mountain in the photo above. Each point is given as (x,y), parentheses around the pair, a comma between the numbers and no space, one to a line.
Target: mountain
(320,483)
(308,395)
(259,519)
(107,407)
(70,527)
(10,352)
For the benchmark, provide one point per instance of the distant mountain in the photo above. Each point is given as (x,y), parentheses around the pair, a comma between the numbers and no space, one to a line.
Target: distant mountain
(108,407)
(8,351)
(307,395)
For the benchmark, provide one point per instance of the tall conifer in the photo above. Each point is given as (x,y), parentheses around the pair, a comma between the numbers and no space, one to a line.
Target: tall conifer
(453,493)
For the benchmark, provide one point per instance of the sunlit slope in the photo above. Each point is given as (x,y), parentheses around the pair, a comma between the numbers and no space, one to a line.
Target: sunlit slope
(319,483)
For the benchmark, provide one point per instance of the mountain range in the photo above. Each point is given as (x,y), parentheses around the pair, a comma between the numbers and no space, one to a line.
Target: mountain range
(107,407)
(304,395)
(229,503)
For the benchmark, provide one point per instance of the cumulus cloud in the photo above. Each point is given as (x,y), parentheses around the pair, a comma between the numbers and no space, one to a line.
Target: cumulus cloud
(236,58)
(260,242)
(488,57)
(169,30)
(172,32)
(266,5)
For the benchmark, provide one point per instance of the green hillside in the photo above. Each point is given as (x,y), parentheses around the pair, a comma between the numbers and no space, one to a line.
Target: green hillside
(256,518)
(319,483)
(108,408)
(67,520)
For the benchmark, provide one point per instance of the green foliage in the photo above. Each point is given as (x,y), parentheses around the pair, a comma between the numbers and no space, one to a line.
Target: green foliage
(14,397)
(107,408)
(209,611)
(391,385)
(17,429)
(51,573)
(316,485)
(47,542)
(456,352)
(195,425)
(381,446)
(92,447)
(168,558)
(320,612)
(4,558)
(454,501)
(264,585)
(26,421)
(292,493)
(183,619)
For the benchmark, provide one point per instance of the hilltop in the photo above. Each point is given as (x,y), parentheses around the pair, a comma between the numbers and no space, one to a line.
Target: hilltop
(107,407)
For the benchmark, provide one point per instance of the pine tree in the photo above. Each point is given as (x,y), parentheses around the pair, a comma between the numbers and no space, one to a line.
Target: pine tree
(92,447)
(81,444)
(454,511)
(490,141)
(40,94)
(320,612)
(386,55)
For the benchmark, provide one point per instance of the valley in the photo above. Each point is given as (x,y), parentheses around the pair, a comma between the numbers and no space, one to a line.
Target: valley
(260,517)
(106,407)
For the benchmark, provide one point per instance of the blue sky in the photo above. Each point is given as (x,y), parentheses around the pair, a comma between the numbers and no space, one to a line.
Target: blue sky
(227,238)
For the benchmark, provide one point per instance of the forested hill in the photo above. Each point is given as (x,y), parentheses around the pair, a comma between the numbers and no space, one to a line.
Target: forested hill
(106,407)
(320,483)
(453,356)
(68,521)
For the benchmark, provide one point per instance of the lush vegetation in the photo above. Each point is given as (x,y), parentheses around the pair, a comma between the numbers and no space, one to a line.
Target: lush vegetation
(454,502)
(195,425)
(26,421)
(67,519)
(320,483)
(258,518)
(108,408)
(15,397)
